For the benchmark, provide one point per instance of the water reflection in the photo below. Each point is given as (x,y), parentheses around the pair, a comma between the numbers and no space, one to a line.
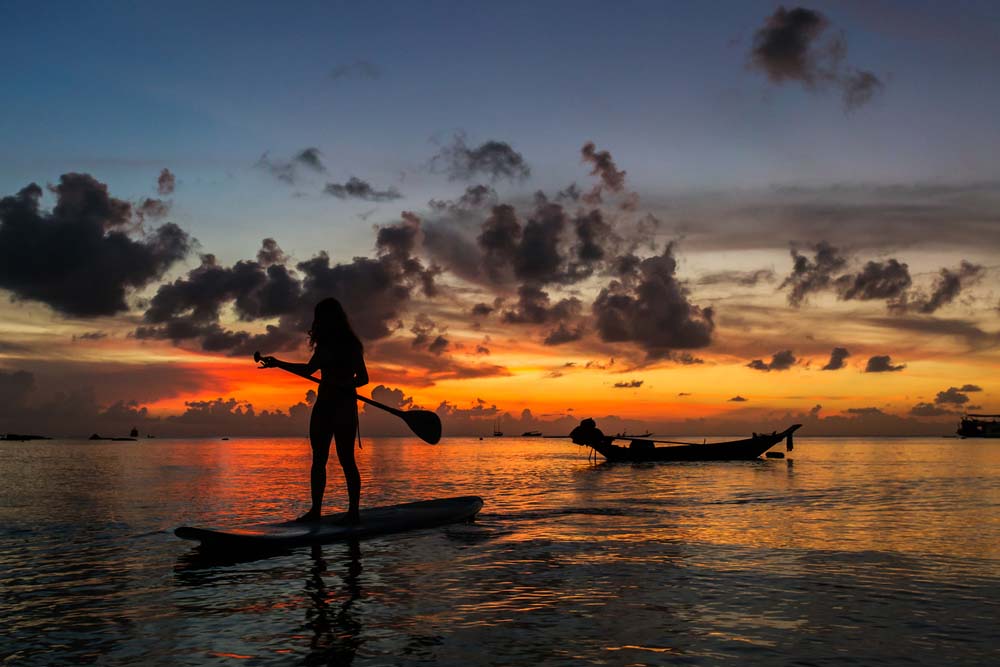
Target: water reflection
(863,551)
(333,617)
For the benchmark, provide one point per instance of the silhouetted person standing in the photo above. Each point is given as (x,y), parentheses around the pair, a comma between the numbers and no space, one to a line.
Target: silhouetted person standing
(338,353)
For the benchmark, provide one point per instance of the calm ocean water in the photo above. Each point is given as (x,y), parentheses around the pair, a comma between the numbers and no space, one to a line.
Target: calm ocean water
(859,552)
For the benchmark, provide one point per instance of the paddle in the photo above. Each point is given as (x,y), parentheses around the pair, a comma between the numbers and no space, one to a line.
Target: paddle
(425,424)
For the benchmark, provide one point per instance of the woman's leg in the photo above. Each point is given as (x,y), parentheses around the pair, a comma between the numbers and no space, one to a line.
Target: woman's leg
(320,433)
(344,436)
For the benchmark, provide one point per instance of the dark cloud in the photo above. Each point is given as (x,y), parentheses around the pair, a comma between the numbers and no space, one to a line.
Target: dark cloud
(535,307)
(355,188)
(947,286)
(82,258)
(91,335)
(152,209)
(780,361)
(359,69)
(738,399)
(493,159)
(859,87)
(475,197)
(929,410)
(882,364)
(570,193)
(165,183)
(603,166)
(877,280)
(809,276)
(374,292)
(785,47)
(290,171)
(270,253)
(482,309)
(741,278)
(955,395)
(632,384)
(837,357)
(424,337)
(564,334)
(651,309)
(791,47)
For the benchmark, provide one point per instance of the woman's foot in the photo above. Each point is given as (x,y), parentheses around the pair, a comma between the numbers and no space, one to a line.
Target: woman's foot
(309,517)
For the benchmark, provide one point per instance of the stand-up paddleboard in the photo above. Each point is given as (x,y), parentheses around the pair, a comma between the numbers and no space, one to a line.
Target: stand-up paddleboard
(333,528)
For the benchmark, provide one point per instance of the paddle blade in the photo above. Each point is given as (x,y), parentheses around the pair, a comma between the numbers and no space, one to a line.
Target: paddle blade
(425,424)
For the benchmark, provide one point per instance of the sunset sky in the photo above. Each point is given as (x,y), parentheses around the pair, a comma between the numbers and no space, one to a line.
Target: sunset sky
(692,218)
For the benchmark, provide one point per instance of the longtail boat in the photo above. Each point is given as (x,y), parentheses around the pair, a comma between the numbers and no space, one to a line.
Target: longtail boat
(641,450)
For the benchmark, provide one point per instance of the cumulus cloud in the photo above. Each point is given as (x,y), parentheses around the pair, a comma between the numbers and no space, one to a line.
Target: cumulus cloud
(492,159)
(290,171)
(474,197)
(82,258)
(610,178)
(650,307)
(793,45)
(373,291)
(877,280)
(929,410)
(780,361)
(837,357)
(947,287)
(956,395)
(810,276)
(882,364)
(355,188)
(165,183)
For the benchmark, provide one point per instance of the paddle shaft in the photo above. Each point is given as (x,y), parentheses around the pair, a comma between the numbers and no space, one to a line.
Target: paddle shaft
(363,399)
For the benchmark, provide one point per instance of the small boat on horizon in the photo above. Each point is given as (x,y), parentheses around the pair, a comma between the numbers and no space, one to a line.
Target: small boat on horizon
(497,433)
(531,434)
(979,426)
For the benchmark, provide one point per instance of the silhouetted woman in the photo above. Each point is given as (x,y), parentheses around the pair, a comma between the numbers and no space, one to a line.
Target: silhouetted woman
(338,353)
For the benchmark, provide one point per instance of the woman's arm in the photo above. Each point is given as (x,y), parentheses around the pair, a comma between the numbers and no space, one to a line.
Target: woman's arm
(299,369)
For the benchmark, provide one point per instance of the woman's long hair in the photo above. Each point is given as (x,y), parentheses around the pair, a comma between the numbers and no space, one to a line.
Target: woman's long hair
(331,327)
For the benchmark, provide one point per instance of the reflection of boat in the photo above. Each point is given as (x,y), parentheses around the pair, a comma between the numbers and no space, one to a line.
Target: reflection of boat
(531,434)
(734,450)
(979,426)
(624,435)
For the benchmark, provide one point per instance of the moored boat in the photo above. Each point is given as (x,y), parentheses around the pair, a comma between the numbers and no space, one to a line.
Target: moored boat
(531,434)
(640,450)
(979,426)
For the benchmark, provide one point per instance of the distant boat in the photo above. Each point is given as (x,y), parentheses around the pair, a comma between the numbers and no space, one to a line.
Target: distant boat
(625,434)
(734,450)
(22,437)
(979,426)
(531,434)
(134,433)
(496,429)
(96,436)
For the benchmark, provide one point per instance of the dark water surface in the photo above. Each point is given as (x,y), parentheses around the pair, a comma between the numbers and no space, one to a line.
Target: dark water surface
(861,552)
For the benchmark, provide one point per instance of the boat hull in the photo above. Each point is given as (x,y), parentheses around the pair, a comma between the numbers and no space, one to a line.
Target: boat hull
(639,451)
